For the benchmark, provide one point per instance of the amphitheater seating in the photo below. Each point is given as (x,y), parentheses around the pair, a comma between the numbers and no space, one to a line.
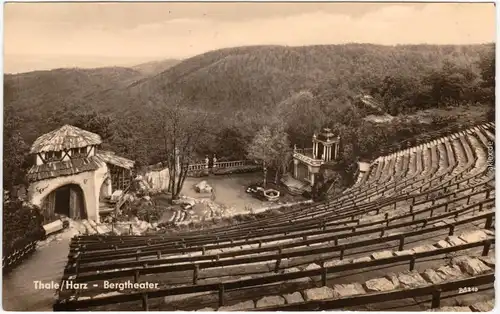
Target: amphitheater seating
(418,225)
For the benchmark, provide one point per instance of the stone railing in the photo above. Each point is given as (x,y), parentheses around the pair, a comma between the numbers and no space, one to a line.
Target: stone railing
(308,160)
(194,167)
(232,164)
(304,151)
(221,164)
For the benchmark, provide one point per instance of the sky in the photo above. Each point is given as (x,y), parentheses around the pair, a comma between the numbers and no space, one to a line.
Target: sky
(41,36)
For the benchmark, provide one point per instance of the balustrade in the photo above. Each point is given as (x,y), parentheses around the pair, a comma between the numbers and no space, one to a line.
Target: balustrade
(221,164)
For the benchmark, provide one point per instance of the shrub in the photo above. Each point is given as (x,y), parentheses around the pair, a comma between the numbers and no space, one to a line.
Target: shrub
(22,224)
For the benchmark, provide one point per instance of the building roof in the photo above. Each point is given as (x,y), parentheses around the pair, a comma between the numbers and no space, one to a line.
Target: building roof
(326,135)
(66,137)
(110,157)
(63,168)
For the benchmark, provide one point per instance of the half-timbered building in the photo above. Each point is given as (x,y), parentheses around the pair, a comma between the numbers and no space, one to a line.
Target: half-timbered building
(71,175)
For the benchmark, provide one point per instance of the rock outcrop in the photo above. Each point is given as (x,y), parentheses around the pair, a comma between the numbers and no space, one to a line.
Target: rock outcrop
(203,187)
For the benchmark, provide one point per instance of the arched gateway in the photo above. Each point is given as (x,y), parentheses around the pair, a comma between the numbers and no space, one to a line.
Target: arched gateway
(71,174)
(67,200)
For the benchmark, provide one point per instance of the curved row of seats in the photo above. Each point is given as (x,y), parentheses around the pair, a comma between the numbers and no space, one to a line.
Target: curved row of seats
(449,147)
(436,198)
(316,216)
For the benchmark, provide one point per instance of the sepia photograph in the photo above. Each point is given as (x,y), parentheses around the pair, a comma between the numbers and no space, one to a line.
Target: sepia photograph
(248,156)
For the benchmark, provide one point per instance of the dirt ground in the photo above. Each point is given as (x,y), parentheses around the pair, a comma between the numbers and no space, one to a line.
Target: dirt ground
(230,196)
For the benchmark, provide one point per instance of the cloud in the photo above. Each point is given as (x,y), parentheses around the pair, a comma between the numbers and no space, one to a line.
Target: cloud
(183,36)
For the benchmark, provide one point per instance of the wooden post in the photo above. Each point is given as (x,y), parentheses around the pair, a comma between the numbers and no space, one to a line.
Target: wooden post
(452,230)
(341,254)
(401,243)
(137,255)
(145,305)
(195,274)
(136,276)
(412,263)
(221,295)
(436,299)
(486,248)
(158,254)
(323,274)
(278,261)
(489,222)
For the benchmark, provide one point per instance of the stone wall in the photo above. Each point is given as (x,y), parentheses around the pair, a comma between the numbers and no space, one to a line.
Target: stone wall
(90,182)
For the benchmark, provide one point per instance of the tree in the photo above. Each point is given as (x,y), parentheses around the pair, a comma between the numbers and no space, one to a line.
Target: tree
(302,117)
(15,152)
(92,121)
(181,129)
(487,68)
(271,146)
(451,84)
(487,73)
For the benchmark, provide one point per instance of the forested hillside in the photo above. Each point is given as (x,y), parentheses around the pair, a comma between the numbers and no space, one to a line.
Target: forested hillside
(247,88)
(155,67)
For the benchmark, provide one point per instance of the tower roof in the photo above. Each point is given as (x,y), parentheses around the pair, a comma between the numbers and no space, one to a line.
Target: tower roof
(327,136)
(66,137)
